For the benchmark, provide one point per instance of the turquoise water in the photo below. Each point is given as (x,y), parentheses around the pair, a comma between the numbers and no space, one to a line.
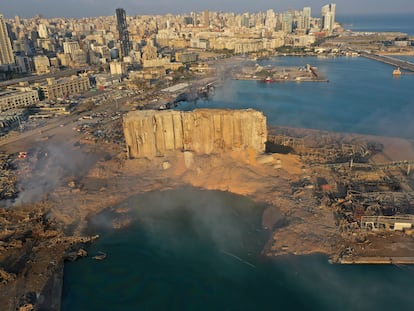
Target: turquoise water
(199,250)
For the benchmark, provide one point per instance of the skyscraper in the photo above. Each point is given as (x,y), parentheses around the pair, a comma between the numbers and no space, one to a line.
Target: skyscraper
(122,27)
(270,21)
(206,18)
(245,20)
(328,17)
(43,31)
(6,51)
(287,23)
(70,47)
(306,17)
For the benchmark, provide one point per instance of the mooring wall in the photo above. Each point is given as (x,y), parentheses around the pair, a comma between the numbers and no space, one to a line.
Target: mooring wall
(151,133)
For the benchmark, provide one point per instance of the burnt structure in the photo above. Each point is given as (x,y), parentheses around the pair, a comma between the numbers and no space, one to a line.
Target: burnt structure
(362,194)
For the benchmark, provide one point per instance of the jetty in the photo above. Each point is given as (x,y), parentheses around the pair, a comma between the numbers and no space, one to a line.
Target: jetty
(376,260)
(398,63)
(270,74)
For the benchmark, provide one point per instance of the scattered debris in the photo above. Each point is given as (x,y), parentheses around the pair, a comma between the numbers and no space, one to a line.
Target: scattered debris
(101,256)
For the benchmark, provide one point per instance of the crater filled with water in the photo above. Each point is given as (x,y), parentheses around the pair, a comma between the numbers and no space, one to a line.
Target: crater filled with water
(189,249)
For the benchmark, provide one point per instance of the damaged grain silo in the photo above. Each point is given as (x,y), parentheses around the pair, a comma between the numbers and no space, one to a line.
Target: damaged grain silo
(151,133)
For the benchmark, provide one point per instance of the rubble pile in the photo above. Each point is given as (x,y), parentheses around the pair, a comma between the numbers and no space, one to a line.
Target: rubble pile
(323,148)
(113,134)
(107,131)
(32,249)
(8,179)
(367,199)
(369,190)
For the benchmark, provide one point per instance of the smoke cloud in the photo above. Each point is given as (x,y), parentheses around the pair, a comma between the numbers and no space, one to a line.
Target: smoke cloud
(48,166)
(226,222)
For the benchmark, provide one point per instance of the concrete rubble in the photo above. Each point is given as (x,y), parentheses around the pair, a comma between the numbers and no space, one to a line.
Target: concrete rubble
(365,197)
(32,250)
(8,178)
(317,187)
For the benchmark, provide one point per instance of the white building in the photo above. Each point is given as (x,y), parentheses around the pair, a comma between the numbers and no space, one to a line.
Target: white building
(328,17)
(117,68)
(70,47)
(18,98)
(306,17)
(199,43)
(42,64)
(43,31)
(65,86)
(270,21)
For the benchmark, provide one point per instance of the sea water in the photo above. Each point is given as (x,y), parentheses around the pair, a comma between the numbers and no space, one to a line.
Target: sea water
(361,96)
(390,22)
(189,249)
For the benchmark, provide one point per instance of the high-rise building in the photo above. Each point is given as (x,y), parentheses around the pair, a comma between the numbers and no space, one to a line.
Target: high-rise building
(43,31)
(42,64)
(245,21)
(270,21)
(17,20)
(206,18)
(188,20)
(122,28)
(70,46)
(6,51)
(328,17)
(306,17)
(287,23)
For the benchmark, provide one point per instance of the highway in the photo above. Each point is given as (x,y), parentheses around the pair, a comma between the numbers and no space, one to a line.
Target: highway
(32,78)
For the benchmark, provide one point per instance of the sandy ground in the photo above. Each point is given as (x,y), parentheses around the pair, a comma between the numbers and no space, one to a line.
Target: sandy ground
(100,177)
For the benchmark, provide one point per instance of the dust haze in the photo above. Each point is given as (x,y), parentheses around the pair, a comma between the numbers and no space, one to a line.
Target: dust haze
(228,222)
(48,166)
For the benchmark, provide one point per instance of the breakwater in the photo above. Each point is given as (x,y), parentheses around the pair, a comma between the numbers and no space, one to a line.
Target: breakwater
(402,64)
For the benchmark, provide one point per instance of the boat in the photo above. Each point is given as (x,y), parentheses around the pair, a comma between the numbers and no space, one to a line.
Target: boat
(101,256)
(396,72)
(268,80)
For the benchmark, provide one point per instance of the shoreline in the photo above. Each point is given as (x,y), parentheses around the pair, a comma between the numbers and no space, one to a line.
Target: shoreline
(232,173)
(408,53)
(265,178)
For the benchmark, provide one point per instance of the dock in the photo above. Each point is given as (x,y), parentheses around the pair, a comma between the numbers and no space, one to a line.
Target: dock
(270,74)
(376,260)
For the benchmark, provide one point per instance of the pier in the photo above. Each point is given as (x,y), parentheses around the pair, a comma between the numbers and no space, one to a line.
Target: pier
(402,64)
(380,260)
(269,74)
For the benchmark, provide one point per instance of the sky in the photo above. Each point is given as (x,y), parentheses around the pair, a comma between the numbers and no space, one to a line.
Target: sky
(85,8)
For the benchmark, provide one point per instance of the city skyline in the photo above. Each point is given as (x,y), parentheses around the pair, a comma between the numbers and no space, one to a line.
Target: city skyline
(86,8)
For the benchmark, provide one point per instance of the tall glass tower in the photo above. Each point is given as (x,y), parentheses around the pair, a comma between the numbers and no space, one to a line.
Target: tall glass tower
(306,17)
(6,51)
(328,17)
(122,27)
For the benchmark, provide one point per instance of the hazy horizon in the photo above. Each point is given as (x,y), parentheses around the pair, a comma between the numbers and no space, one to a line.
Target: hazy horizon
(92,8)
